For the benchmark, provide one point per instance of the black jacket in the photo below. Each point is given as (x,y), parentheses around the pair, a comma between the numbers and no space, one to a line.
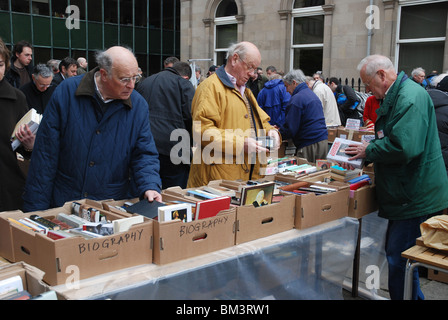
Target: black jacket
(13,77)
(440,100)
(35,98)
(169,97)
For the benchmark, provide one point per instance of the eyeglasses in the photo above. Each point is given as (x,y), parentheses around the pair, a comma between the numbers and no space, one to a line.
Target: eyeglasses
(249,68)
(367,84)
(127,80)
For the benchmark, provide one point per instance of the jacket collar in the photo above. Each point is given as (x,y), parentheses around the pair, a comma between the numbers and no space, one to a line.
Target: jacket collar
(7,91)
(300,87)
(392,94)
(87,87)
(222,75)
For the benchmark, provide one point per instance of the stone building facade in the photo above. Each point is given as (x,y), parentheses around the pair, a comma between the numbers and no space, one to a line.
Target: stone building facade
(331,36)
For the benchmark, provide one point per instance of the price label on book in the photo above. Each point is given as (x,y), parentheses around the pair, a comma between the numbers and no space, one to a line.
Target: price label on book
(353,124)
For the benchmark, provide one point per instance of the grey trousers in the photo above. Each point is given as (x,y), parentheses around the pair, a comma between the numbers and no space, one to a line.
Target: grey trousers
(313,152)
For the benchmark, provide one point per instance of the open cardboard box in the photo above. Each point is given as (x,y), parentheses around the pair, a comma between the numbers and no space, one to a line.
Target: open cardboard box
(312,209)
(176,240)
(254,223)
(31,278)
(76,258)
(363,201)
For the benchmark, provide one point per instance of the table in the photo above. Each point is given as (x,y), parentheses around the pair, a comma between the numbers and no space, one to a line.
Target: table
(296,264)
(420,255)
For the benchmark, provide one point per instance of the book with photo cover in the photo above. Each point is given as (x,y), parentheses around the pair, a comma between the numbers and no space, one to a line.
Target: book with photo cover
(146,208)
(258,194)
(337,152)
(210,208)
(182,212)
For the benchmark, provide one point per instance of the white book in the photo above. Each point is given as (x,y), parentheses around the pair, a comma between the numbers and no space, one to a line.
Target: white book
(337,152)
(11,285)
(122,225)
(172,212)
(32,118)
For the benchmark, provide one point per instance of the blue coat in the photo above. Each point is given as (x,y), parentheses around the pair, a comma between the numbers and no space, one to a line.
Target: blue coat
(305,121)
(82,153)
(273,99)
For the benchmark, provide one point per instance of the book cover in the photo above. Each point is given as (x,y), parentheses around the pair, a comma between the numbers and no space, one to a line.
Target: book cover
(220,191)
(337,152)
(146,208)
(210,208)
(10,285)
(32,118)
(201,194)
(124,224)
(258,195)
(172,212)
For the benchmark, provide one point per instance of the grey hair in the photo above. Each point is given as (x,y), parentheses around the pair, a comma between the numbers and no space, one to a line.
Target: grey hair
(104,61)
(238,48)
(417,71)
(374,63)
(42,70)
(296,75)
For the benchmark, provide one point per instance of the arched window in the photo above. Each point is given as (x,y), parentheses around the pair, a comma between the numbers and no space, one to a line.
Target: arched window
(308,35)
(226,28)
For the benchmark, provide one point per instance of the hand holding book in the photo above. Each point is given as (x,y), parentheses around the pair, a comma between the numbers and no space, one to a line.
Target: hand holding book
(357,151)
(26,137)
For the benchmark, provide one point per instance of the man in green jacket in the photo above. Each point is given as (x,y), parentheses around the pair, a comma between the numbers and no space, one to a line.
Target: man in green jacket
(410,177)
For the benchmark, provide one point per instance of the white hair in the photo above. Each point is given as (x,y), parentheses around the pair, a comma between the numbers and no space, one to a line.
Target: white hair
(374,63)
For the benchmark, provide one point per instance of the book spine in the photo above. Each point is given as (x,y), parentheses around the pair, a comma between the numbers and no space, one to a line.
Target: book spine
(45,222)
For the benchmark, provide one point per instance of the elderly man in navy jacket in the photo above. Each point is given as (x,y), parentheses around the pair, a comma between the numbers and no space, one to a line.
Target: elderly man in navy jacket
(304,120)
(95,139)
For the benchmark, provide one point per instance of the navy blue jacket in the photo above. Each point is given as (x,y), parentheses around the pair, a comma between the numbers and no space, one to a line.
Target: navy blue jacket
(81,152)
(305,121)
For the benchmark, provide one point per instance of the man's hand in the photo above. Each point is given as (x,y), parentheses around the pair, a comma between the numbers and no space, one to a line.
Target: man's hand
(26,137)
(152,195)
(275,135)
(358,151)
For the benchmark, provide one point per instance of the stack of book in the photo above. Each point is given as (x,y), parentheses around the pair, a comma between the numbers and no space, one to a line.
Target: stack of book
(13,289)
(340,174)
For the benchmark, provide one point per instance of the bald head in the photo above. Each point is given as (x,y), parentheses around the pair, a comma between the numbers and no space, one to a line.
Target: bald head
(118,72)
(378,74)
(243,58)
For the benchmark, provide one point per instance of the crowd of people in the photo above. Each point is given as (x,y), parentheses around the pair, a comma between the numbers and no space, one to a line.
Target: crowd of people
(107,133)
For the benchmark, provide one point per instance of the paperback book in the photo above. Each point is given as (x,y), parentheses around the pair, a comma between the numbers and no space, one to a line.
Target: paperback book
(337,152)
(32,119)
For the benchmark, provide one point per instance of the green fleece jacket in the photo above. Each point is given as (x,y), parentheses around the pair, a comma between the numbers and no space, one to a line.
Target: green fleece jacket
(409,170)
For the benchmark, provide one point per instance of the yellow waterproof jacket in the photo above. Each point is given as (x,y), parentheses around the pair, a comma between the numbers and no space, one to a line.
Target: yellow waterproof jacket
(221,122)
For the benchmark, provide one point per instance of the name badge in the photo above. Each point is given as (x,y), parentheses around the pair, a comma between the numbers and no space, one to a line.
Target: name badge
(380,134)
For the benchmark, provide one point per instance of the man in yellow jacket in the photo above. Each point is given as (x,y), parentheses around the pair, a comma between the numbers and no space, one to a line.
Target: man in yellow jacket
(228,125)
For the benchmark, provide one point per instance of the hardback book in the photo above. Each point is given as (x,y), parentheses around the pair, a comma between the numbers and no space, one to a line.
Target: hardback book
(220,191)
(146,208)
(258,194)
(337,152)
(32,118)
(172,212)
(210,208)
(121,225)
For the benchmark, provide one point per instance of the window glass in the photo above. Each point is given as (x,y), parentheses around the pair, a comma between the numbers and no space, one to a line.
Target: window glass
(227,8)
(4,5)
(59,8)
(95,10)
(20,6)
(82,7)
(41,7)
(423,21)
(225,35)
(111,11)
(308,3)
(428,55)
(308,30)
(308,60)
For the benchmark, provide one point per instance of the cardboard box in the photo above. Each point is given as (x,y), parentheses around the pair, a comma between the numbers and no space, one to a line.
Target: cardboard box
(31,278)
(76,258)
(176,240)
(357,135)
(254,223)
(362,202)
(437,275)
(312,209)
(332,133)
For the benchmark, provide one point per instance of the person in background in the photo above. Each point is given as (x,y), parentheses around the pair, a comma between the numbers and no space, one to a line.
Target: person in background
(226,109)
(273,99)
(410,175)
(270,70)
(326,96)
(82,65)
(211,70)
(419,75)
(439,96)
(68,67)
(53,64)
(369,115)
(346,99)
(95,139)
(305,120)
(170,61)
(13,108)
(21,66)
(38,92)
(169,94)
